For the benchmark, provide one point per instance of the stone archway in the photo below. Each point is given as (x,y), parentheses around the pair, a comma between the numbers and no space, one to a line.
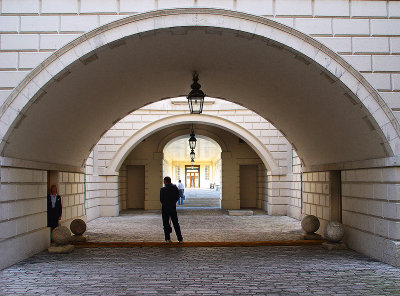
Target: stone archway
(325,108)
(366,130)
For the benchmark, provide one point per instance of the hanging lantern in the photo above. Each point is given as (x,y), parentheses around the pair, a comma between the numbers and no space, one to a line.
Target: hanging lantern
(192,141)
(196,96)
(192,155)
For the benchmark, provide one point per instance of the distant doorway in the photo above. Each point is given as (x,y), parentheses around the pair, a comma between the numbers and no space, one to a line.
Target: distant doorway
(192,176)
(248,186)
(136,183)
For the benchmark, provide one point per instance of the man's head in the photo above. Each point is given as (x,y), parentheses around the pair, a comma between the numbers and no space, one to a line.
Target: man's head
(179,181)
(53,189)
(167,180)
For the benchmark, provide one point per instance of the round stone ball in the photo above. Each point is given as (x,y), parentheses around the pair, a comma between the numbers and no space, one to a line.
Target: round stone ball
(78,226)
(310,224)
(334,232)
(60,235)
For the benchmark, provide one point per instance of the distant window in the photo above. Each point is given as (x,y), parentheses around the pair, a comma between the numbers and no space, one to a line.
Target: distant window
(178,172)
(207,172)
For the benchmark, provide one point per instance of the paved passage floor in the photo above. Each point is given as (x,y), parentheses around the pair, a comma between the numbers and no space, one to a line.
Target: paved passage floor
(201,271)
(200,197)
(197,225)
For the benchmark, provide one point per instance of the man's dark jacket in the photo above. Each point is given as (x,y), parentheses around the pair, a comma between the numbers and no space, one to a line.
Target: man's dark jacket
(169,195)
(53,213)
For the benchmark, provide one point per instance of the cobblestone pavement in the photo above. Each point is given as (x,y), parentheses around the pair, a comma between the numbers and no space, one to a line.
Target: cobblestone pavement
(197,226)
(204,271)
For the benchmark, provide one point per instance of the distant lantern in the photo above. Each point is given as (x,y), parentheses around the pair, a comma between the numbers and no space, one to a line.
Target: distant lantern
(192,155)
(192,140)
(196,96)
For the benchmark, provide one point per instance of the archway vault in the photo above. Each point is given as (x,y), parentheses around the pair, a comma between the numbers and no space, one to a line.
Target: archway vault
(324,107)
(233,128)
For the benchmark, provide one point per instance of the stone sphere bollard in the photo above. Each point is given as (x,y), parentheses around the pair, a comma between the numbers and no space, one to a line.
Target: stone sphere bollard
(78,227)
(334,232)
(310,224)
(60,235)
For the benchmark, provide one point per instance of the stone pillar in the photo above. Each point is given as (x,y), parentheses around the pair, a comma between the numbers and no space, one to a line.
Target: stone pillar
(278,193)
(230,183)
(154,181)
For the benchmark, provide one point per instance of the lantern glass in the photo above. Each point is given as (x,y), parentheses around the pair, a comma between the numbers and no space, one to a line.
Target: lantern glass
(196,104)
(192,141)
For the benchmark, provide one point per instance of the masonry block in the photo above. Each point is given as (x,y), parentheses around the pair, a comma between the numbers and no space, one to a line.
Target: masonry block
(394,9)
(337,44)
(9,24)
(351,27)
(79,23)
(379,80)
(29,60)
(386,63)
(314,26)
(11,79)
(371,45)
(258,7)
(385,27)
(163,4)
(293,7)
(20,42)
(50,41)
(20,6)
(8,60)
(39,23)
(136,6)
(92,6)
(59,6)
(392,99)
(368,8)
(331,8)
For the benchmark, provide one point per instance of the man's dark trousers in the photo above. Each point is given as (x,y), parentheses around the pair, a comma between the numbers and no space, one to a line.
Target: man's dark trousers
(169,195)
(166,215)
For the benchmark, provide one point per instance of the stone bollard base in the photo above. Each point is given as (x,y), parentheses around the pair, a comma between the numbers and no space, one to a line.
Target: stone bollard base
(334,246)
(78,238)
(312,236)
(60,249)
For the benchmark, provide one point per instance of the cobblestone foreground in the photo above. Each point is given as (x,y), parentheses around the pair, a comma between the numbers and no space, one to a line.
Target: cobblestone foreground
(205,271)
(198,225)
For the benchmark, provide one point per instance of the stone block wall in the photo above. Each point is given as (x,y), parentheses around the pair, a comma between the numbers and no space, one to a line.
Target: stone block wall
(371,212)
(23,214)
(316,197)
(123,187)
(71,187)
(262,186)
(294,201)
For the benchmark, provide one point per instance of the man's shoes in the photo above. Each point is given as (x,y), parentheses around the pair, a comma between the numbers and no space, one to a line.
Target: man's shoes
(181,241)
(168,241)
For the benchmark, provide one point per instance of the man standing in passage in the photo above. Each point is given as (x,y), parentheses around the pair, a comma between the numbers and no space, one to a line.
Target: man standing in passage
(169,195)
(181,193)
(54,207)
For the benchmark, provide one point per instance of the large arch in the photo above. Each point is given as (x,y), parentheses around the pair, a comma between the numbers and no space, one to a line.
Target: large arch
(150,129)
(327,110)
